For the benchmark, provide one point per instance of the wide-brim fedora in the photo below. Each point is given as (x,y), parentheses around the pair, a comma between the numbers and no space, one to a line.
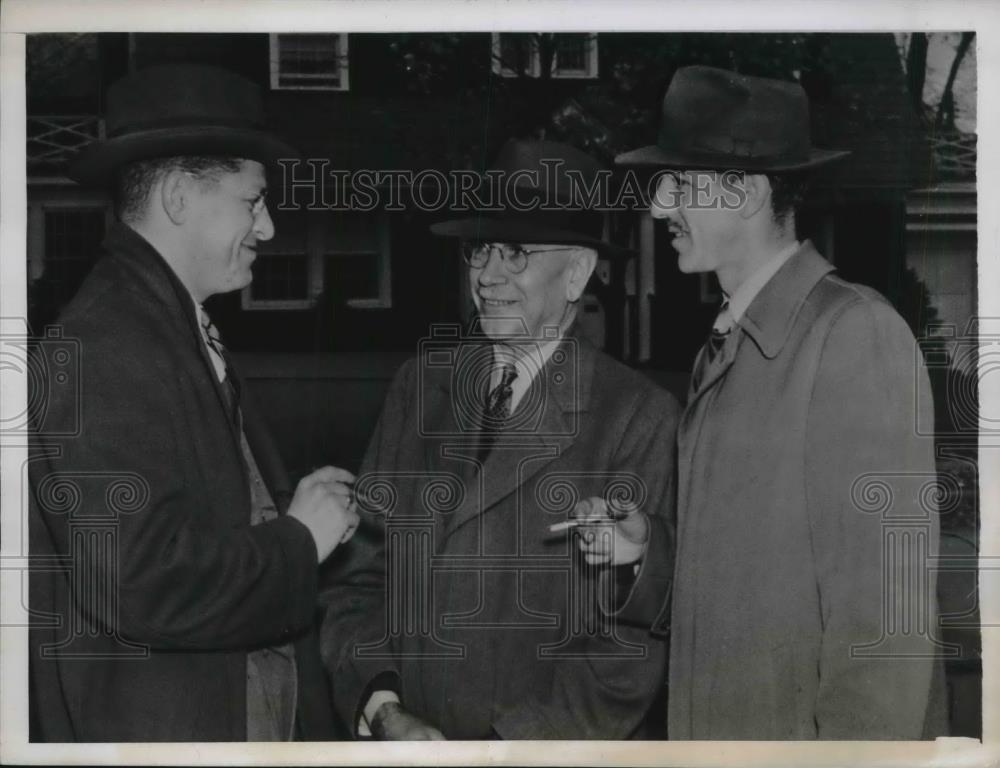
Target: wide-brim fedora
(540,200)
(179,109)
(714,119)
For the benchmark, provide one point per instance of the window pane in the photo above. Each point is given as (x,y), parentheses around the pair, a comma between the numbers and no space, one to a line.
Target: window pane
(280,277)
(571,51)
(515,52)
(309,60)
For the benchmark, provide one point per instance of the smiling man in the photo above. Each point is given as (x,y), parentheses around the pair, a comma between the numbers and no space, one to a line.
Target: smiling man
(209,581)
(493,624)
(786,585)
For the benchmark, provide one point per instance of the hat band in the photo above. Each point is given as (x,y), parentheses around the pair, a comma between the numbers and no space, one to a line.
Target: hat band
(192,121)
(724,147)
(588,224)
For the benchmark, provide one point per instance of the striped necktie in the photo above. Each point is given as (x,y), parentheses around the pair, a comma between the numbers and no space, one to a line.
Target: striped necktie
(496,410)
(217,352)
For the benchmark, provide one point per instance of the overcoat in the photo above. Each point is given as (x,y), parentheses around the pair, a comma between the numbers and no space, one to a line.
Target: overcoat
(803,599)
(456,594)
(150,584)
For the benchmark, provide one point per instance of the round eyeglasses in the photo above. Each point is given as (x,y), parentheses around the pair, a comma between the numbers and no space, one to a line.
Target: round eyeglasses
(513,256)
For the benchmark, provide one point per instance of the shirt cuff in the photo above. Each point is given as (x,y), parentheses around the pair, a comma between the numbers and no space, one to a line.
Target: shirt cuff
(376,700)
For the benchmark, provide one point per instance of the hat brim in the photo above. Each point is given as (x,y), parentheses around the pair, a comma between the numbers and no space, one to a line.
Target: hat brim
(498,229)
(655,156)
(96,163)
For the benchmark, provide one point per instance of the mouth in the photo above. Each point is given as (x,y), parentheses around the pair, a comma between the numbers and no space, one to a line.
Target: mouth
(678,230)
(495,303)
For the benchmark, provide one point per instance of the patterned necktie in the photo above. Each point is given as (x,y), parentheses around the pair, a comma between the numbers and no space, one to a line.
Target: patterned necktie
(497,409)
(214,343)
(217,352)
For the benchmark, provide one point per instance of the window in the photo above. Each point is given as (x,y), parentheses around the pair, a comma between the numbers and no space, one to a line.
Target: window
(340,255)
(64,239)
(309,62)
(573,55)
(357,261)
(285,276)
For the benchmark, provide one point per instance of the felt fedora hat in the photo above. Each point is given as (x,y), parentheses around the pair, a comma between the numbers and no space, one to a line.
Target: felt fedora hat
(179,109)
(539,184)
(715,119)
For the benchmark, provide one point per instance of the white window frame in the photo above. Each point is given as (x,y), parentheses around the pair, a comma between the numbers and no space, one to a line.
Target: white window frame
(343,65)
(591,71)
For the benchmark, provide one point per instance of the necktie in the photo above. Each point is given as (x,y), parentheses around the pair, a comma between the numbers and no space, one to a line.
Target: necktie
(217,352)
(722,329)
(214,343)
(497,408)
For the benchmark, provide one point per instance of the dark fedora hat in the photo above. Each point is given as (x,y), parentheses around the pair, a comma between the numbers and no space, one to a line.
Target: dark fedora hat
(540,199)
(715,119)
(179,109)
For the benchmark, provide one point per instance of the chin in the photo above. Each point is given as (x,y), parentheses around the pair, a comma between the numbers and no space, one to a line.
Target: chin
(498,328)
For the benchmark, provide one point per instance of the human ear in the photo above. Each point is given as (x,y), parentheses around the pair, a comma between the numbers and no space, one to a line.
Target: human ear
(174,195)
(581,267)
(757,191)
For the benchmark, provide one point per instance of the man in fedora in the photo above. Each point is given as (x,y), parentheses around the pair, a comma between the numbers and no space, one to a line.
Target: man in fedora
(464,614)
(802,404)
(187,612)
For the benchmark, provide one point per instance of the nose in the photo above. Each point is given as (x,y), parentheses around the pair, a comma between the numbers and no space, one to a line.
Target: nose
(263,227)
(493,272)
(666,200)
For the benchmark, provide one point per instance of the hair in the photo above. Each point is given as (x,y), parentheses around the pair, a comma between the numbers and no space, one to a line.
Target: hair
(135,181)
(788,191)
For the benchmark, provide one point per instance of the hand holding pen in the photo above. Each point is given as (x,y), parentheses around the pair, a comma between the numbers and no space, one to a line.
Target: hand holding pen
(608,534)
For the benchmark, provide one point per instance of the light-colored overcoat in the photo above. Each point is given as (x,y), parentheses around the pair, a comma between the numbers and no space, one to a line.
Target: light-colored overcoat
(803,596)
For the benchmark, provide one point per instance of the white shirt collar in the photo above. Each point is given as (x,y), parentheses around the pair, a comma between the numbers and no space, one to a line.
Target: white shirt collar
(532,359)
(217,362)
(744,295)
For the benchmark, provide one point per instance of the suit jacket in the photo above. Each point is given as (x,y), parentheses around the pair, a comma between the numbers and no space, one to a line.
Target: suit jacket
(168,586)
(799,471)
(454,591)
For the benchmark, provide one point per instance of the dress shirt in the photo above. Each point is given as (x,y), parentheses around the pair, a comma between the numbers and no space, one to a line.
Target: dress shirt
(744,295)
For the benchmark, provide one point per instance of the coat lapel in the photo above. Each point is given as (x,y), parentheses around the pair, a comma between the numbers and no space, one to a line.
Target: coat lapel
(541,433)
(766,326)
(136,257)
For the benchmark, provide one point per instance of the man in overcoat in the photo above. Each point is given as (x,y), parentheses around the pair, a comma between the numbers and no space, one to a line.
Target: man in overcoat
(175,593)
(460,612)
(803,601)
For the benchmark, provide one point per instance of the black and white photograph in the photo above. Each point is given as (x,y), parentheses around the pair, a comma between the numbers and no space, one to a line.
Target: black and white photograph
(614,386)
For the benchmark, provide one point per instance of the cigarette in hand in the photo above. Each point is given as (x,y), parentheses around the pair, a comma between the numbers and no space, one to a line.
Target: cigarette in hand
(613,515)
(359,496)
